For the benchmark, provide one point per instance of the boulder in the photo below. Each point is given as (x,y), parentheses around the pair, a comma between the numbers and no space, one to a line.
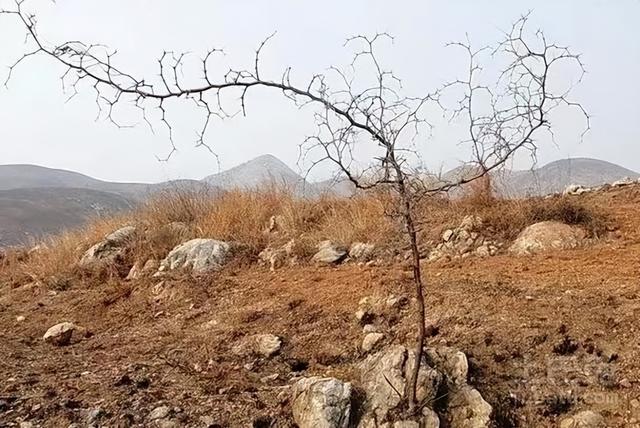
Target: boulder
(329,253)
(585,419)
(361,251)
(199,255)
(110,249)
(451,362)
(59,334)
(547,235)
(321,403)
(467,409)
(384,378)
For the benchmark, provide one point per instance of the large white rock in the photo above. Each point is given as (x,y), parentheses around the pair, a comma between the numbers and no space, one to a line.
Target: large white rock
(59,334)
(110,248)
(321,403)
(199,255)
(384,377)
(547,235)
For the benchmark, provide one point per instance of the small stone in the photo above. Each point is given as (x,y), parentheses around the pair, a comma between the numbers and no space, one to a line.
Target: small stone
(208,421)
(270,378)
(371,340)
(585,419)
(625,383)
(26,425)
(446,236)
(20,318)
(268,344)
(94,414)
(59,334)
(369,328)
(160,412)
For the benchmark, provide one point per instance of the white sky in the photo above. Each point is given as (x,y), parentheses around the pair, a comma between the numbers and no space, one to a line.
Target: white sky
(37,126)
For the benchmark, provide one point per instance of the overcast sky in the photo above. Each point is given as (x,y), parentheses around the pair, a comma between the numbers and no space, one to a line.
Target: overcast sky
(38,127)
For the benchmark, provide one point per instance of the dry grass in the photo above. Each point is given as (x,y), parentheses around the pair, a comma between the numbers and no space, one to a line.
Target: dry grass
(243,217)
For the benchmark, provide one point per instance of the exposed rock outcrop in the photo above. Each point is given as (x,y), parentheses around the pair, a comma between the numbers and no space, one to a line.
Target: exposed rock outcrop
(465,240)
(330,253)
(321,403)
(111,249)
(547,235)
(198,255)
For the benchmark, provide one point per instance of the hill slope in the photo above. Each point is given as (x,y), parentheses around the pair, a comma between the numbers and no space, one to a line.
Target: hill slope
(27,214)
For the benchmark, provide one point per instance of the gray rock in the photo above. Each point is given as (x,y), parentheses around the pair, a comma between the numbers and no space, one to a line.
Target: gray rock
(265,345)
(371,340)
(467,409)
(321,403)
(547,235)
(160,412)
(93,415)
(329,253)
(451,362)
(361,251)
(110,249)
(199,255)
(585,419)
(384,377)
(59,334)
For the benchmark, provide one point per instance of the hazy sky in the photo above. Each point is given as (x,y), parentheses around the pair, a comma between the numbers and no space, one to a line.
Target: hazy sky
(38,127)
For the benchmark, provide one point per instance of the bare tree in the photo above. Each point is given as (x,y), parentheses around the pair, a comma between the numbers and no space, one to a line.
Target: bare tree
(362,103)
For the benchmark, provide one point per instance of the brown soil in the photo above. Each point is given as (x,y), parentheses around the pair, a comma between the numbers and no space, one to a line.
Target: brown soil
(546,335)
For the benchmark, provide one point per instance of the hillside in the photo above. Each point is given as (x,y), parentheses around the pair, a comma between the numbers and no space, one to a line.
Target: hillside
(29,214)
(546,336)
(556,176)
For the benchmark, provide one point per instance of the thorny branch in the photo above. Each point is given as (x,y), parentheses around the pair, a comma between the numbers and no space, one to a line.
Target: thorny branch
(361,104)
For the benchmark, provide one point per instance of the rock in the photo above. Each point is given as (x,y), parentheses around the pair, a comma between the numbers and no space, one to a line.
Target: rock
(447,235)
(265,345)
(59,334)
(623,182)
(160,412)
(471,223)
(93,415)
(276,224)
(371,340)
(199,255)
(361,251)
(575,190)
(110,249)
(135,272)
(277,257)
(20,318)
(467,409)
(321,403)
(369,328)
(208,421)
(547,235)
(364,316)
(26,425)
(585,419)
(451,362)
(384,377)
(329,253)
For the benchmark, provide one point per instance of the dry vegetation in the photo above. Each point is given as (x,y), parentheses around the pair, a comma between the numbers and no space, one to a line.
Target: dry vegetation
(243,216)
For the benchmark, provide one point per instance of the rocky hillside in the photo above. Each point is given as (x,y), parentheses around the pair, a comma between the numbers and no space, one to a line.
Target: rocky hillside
(266,310)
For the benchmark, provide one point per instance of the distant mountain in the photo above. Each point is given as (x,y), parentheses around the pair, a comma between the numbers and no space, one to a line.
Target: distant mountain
(33,176)
(261,171)
(27,214)
(556,176)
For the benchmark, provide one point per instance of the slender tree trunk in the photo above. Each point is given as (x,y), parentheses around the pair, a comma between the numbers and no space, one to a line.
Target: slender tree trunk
(409,221)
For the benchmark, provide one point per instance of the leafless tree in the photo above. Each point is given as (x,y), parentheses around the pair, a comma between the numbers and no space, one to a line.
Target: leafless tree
(362,103)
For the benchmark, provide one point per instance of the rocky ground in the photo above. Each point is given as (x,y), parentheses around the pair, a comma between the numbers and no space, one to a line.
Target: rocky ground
(544,339)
